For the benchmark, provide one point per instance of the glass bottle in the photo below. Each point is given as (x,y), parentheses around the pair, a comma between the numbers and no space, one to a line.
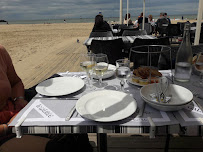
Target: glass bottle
(183,66)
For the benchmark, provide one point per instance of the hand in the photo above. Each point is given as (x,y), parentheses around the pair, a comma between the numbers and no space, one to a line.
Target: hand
(20,103)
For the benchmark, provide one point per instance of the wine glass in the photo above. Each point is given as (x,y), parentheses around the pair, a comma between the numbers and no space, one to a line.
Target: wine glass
(122,71)
(199,67)
(87,63)
(101,67)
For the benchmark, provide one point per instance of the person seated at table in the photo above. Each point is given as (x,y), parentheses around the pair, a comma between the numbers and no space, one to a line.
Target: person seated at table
(162,20)
(100,24)
(127,19)
(11,90)
(11,102)
(140,19)
(152,22)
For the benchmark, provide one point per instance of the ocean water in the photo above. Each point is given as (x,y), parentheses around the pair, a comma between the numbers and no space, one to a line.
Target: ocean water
(88,20)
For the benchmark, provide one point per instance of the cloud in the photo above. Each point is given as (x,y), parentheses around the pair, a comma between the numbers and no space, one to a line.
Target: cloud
(52,9)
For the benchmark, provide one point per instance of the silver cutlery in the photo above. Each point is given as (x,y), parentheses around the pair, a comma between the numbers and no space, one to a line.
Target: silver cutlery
(70,113)
(56,98)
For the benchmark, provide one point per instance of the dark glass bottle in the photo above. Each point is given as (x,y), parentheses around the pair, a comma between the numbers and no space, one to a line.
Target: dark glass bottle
(183,66)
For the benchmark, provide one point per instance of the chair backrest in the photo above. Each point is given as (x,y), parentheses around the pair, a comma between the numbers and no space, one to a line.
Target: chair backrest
(158,56)
(133,32)
(173,30)
(147,27)
(124,27)
(113,48)
(158,41)
(101,34)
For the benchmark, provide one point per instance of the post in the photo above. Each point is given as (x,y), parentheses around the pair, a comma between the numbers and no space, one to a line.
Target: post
(121,11)
(143,21)
(198,26)
(127,10)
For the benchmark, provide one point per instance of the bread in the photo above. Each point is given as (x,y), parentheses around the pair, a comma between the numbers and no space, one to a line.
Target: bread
(144,72)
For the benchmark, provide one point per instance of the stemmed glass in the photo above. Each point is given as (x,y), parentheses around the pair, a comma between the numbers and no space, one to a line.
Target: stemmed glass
(199,67)
(87,63)
(122,71)
(101,67)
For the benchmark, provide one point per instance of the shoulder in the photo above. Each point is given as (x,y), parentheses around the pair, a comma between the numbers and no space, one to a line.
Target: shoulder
(3,51)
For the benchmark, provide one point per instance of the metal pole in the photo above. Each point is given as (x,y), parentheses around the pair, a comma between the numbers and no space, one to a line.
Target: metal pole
(121,11)
(198,26)
(143,21)
(127,11)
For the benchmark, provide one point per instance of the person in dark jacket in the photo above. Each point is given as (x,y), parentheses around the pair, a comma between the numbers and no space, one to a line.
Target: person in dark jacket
(100,24)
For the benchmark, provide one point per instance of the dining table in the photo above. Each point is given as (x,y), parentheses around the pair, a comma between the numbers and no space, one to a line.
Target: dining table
(47,114)
(126,39)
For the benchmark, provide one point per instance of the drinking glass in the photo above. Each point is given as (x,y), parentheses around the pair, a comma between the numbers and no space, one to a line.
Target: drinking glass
(101,67)
(87,63)
(199,67)
(122,71)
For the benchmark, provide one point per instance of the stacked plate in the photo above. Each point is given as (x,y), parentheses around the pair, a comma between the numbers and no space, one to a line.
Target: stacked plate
(109,73)
(180,97)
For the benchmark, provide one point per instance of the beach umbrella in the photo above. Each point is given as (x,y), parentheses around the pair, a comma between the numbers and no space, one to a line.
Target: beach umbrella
(198,25)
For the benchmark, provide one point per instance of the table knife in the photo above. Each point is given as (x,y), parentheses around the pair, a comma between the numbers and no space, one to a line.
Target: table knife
(70,113)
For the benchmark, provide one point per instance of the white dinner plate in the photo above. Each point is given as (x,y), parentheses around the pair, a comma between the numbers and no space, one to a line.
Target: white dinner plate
(106,106)
(60,86)
(109,73)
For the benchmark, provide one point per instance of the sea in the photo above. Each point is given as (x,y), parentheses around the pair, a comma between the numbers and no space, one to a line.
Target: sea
(89,20)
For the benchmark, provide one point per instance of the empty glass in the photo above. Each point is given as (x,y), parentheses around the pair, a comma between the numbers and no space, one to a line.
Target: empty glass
(122,71)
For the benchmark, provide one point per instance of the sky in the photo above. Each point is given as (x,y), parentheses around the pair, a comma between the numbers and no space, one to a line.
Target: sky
(63,9)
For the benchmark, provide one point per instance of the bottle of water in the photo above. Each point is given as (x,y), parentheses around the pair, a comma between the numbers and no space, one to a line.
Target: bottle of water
(183,66)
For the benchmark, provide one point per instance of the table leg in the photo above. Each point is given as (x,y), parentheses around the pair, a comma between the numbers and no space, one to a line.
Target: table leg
(102,142)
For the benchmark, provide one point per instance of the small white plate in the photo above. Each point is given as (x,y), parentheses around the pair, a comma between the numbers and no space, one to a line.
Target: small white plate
(106,106)
(60,86)
(109,73)
(129,79)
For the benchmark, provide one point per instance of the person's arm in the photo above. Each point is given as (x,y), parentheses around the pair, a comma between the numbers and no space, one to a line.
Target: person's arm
(17,86)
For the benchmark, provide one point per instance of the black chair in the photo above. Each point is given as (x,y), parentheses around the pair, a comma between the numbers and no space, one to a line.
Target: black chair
(133,32)
(158,56)
(147,27)
(101,34)
(112,48)
(124,27)
(158,41)
(173,30)
(165,62)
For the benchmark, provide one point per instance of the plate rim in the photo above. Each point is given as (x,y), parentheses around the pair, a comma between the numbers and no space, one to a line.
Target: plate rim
(103,91)
(41,83)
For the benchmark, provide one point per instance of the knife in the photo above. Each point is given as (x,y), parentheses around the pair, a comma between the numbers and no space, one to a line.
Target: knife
(70,114)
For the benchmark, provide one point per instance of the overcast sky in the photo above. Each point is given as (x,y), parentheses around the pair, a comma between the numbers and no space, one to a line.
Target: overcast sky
(59,9)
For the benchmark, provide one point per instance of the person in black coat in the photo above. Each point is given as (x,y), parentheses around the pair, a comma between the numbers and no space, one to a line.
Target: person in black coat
(100,24)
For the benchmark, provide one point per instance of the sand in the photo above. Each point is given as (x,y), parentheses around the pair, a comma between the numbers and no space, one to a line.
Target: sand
(36,49)
(31,46)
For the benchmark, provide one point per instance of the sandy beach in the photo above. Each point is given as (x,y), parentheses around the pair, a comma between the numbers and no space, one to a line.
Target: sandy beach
(41,50)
